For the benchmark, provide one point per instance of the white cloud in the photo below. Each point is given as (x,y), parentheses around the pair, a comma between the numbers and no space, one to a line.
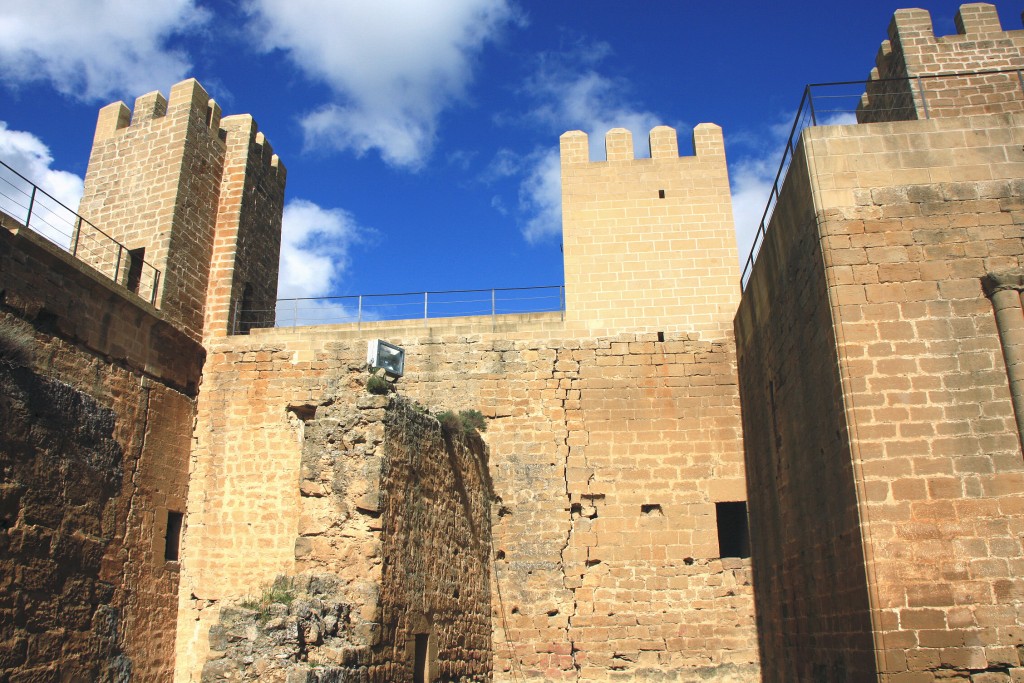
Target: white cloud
(96,49)
(569,94)
(30,157)
(540,199)
(315,245)
(752,176)
(751,181)
(393,65)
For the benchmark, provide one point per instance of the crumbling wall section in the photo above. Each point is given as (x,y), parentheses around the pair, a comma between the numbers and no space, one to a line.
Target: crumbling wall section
(394,550)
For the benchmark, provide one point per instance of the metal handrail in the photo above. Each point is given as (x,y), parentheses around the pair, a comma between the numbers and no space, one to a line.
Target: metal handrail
(48,217)
(808,115)
(423,305)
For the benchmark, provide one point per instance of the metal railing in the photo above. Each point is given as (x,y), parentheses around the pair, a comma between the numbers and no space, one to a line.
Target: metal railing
(890,99)
(30,206)
(365,308)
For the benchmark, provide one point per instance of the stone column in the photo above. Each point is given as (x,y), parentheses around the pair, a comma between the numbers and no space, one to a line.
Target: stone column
(1004,289)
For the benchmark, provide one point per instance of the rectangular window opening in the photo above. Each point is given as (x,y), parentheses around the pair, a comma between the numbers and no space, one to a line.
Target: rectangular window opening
(733,529)
(173,538)
(661,194)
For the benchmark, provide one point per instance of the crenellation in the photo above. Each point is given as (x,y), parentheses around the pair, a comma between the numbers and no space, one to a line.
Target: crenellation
(663,143)
(618,145)
(708,141)
(213,115)
(111,119)
(149,106)
(909,25)
(977,20)
(188,95)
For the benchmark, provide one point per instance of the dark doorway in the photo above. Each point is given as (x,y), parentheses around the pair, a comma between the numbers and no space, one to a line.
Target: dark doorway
(419,671)
(136,257)
(173,538)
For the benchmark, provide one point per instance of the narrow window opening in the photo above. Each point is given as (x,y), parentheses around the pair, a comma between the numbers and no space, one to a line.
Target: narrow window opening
(661,336)
(419,672)
(172,541)
(246,319)
(661,194)
(651,509)
(733,531)
(136,257)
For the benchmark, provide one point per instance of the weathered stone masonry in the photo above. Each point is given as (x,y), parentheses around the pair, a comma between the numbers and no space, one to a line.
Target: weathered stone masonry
(876,394)
(97,412)
(607,458)
(394,553)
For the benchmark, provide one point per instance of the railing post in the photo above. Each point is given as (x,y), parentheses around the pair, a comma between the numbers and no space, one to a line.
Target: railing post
(810,102)
(117,266)
(156,284)
(295,313)
(78,235)
(359,314)
(561,300)
(425,308)
(31,204)
(493,305)
(924,98)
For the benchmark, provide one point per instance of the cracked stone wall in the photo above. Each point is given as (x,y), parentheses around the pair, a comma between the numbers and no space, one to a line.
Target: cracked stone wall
(607,456)
(97,405)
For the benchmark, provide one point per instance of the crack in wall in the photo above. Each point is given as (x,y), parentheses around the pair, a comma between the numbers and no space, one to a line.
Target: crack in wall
(566,381)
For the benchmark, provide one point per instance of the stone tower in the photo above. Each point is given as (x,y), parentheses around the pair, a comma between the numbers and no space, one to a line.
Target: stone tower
(197,196)
(649,243)
(886,484)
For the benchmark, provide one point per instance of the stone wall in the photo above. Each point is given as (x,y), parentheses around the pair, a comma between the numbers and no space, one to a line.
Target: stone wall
(913,55)
(649,243)
(813,614)
(910,217)
(608,457)
(247,243)
(202,196)
(95,448)
(152,183)
(395,552)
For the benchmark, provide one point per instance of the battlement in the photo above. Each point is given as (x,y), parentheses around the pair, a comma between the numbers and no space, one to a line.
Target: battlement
(257,149)
(980,38)
(662,143)
(913,53)
(649,243)
(973,21)
(216,238)
(187,99)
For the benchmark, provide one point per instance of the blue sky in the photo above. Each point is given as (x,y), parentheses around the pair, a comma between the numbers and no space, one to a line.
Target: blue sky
(421,137)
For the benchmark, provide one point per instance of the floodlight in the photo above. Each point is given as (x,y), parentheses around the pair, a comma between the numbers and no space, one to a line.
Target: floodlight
(388,357)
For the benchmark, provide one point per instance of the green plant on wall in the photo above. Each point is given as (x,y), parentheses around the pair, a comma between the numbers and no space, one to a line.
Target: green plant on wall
(465,422)
(282,591)
(376,384)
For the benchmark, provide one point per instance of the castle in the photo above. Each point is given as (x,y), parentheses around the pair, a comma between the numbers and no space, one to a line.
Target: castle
(192,494)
